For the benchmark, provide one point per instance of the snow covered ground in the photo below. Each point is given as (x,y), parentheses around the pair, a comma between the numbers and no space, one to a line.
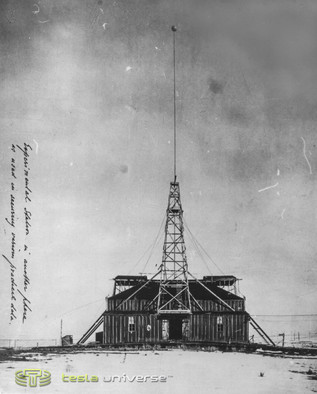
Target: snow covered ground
(184,372)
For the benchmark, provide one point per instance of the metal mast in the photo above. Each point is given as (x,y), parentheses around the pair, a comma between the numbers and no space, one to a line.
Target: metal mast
(174,296)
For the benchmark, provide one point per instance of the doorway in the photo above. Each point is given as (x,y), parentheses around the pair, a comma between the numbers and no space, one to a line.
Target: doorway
(175,327)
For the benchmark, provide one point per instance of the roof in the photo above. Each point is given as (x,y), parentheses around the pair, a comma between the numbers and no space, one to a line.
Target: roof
(220,280)
(151,289)
(128,277)
(129,280)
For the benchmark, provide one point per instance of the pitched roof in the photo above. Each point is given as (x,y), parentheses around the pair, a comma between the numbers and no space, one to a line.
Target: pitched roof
(151,289)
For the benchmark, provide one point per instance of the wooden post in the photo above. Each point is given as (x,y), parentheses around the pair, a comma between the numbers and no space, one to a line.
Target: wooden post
(283,340)
(61,332)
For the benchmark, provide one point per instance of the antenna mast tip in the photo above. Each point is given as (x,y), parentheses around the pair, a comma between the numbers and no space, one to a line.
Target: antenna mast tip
(174,28)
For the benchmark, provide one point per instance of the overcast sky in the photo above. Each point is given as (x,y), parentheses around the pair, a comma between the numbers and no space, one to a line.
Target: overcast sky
(88,84)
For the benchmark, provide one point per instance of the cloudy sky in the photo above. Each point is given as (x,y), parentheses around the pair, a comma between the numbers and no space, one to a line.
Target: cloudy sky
(88,84)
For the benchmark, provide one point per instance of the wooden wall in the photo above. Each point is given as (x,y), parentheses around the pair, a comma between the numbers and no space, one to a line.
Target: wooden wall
(207,305)
(200,327)
(146,328)
(207,327)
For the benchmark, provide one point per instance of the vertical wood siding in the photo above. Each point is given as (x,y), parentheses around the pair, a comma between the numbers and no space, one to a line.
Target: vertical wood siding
(146,329)
(207,305)
(202,327)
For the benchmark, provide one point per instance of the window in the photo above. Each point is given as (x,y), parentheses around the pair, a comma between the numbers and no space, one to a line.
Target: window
(165,329)
(131,324)
(219,325)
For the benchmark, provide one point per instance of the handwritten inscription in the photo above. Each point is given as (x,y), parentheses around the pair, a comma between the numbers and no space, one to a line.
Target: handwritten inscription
(13,244)
(27,216)
(12,217)
(25,151)
(26,280)
(13,288)
(26,307)
(19,223)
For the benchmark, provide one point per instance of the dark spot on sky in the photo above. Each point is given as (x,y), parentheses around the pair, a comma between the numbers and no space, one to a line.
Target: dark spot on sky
(237,115)
(215,86)
(124,168)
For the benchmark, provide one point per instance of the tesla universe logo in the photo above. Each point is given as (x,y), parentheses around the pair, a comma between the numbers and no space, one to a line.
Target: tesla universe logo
(32,377)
